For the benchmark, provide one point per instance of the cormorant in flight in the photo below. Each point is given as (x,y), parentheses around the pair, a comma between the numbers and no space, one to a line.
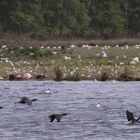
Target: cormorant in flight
(25,100)
(58,117)
(130,117)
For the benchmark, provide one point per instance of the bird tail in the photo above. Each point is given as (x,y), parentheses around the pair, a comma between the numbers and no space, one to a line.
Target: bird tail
(137,120)
(34,100)
(64,114)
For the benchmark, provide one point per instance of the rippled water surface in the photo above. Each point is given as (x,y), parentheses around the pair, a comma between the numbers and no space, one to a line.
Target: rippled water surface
(85,121)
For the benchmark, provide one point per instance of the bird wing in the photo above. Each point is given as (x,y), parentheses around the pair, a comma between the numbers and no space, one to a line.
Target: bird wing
(58,118)
(52,118)
(29,102)
(130,116)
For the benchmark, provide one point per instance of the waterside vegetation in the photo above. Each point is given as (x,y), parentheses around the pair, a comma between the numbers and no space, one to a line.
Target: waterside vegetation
(70,39)
(72,62)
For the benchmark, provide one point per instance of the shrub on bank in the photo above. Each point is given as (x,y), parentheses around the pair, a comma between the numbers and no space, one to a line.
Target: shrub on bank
(58,74)
(32,52)
(125,76)
(74,77)
(104,76)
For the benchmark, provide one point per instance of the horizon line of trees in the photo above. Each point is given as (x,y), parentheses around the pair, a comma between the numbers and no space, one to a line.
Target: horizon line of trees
(71,18)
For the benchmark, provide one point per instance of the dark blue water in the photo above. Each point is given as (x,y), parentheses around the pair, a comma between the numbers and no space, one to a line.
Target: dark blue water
(84,121)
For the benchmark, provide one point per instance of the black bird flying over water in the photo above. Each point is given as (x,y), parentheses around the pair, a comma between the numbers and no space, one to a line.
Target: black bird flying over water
(130,117)
(25,100)
(58,117)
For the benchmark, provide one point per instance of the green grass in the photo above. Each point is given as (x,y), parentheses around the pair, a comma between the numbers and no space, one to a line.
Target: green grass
(88,63)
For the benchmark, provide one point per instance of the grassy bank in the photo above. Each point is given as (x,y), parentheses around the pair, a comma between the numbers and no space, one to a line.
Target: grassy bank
(26,40)
(71,59)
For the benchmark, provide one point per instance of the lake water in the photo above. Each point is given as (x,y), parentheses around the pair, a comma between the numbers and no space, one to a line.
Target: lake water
(85,121)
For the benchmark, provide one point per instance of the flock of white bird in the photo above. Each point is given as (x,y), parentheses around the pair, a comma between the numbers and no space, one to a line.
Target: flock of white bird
(89,70)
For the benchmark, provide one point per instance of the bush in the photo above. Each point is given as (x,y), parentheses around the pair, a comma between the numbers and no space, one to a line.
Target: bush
(74,77)
(125,76)
(58,74)
(47,53)
(15,51)
(104,76)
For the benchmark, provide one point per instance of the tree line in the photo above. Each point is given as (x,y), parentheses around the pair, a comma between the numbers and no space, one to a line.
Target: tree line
(102,19)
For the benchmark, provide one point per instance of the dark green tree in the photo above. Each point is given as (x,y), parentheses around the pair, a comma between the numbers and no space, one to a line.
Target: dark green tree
(21,16)
(133,17)
(98,18)
(106,18)
(65,16)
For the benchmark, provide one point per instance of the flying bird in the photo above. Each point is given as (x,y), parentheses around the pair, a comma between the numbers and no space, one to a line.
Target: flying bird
(25,100)
(130,117)
(58,117)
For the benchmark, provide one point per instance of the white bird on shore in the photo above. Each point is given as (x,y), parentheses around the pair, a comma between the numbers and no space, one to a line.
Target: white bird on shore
(104,54)
(95,80)
(4,46)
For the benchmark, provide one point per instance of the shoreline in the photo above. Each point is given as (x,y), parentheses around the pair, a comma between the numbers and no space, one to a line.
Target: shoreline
(72,62)
(102,79)
(24,40)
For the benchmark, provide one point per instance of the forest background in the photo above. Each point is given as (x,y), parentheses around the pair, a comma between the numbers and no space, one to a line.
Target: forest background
(88,19)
